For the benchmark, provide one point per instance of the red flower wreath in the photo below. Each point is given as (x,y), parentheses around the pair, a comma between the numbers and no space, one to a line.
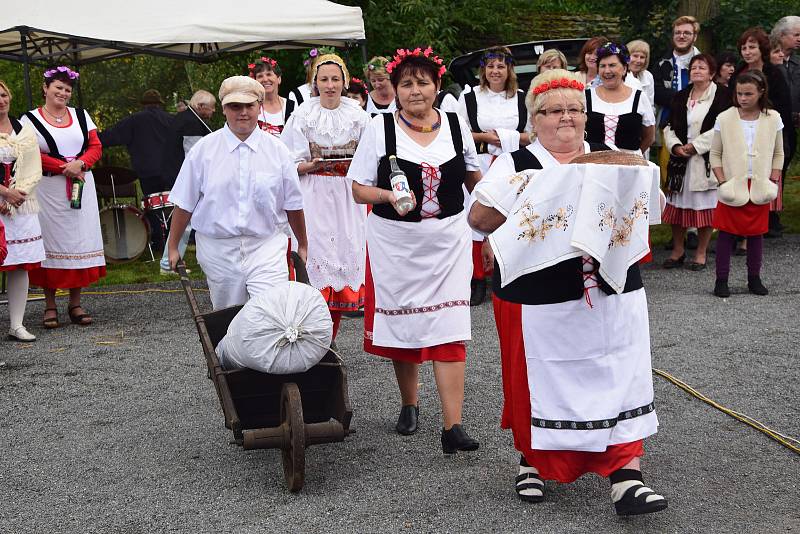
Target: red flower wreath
(563,83)
(403,53)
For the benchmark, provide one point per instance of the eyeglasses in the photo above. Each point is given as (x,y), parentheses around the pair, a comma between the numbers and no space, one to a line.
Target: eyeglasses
(682,34)
(560,112)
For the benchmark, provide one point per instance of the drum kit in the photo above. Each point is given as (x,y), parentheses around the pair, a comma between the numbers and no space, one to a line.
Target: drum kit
(124,227)
(126,231)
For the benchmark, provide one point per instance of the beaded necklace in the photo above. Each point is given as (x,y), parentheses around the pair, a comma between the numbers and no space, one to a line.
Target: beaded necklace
(421,129)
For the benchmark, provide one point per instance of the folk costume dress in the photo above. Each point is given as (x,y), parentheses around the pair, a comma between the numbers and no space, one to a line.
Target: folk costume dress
(334,222)
(417,305)
(577,377)
(747,151)
(300,94)
(73,242)
(21,169)
(373,108)
(692,121)
(620,123)
(273,123)
(485,110)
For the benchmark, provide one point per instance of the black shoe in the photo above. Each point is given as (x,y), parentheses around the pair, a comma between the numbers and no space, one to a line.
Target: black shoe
(774,233)
(478,293)
(407,422)
(670,263)
(456,439)
(691,240)
(721,289)
(755,286)
(694,266)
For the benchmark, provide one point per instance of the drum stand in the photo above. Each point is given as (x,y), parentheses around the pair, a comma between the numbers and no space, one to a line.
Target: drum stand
(164,220)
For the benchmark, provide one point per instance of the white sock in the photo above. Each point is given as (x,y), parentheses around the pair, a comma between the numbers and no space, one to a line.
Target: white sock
(17,297)
(618,490)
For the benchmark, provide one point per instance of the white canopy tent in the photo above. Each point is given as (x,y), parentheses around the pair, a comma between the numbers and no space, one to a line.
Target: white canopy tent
(44,32)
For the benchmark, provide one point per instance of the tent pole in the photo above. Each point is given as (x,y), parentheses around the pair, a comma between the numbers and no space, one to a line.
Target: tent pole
(27,67)
(75,62)
(363,46)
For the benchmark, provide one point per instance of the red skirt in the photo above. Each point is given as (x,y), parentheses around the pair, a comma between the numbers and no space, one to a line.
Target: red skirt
(447,352)
(562,466)
(478,272)
(48,278)
(747,220)
(20,267)
(688,218)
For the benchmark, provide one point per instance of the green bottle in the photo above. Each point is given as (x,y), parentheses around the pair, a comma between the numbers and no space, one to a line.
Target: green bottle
(76,194)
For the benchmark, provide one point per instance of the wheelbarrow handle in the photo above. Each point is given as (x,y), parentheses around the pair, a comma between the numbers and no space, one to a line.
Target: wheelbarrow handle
(180,267)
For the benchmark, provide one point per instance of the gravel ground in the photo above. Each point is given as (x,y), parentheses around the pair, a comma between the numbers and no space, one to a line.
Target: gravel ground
(114,428)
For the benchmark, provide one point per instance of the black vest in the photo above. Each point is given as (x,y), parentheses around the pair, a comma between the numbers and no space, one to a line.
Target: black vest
(289,109)
(15,125)
(472,113)
(563,281)
(450,193)
(298,95)
(51,143)
(629,128)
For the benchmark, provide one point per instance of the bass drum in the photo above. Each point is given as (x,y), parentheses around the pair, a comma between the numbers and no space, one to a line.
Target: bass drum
(125,233)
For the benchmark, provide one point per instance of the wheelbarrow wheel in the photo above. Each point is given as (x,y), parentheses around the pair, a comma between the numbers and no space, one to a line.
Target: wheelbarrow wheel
(294,449)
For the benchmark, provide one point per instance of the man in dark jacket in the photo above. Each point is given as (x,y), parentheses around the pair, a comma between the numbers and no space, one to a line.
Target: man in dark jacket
(671,74)
(186,128)
(143,134)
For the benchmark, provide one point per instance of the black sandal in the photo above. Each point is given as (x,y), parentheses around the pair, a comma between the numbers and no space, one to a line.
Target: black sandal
(83,319)
(51,322)
(635,501)
(529,487)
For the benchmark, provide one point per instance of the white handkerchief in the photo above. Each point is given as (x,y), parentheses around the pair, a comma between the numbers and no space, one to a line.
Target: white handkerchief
(509,142)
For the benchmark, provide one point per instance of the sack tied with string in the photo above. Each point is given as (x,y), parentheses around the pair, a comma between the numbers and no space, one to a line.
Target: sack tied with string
(285,330)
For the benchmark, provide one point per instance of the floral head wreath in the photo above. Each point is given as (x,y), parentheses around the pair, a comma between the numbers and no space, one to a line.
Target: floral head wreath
(376,65)
(508,59)
(355,81)
(559,83)
(614,49)
(336,60)
(314,53)
(66,70)
(404,53)
(265,61)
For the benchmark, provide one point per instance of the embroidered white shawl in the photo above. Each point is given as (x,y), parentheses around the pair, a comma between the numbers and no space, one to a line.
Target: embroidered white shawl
(579,209)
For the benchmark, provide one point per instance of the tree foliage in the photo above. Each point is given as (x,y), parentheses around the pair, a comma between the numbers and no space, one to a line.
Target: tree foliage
(111,89)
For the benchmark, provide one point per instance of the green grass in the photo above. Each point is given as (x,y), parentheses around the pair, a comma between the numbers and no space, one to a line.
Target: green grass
(143,271)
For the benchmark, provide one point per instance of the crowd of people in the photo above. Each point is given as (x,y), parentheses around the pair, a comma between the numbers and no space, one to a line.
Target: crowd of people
(317,172)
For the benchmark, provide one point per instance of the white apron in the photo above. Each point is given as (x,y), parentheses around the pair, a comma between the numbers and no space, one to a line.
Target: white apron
(421,273)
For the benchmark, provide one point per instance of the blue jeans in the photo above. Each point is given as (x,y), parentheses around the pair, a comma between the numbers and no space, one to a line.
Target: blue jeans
(182,244)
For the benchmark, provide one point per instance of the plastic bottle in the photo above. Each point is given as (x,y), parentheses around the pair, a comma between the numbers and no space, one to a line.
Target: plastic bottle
(400,188)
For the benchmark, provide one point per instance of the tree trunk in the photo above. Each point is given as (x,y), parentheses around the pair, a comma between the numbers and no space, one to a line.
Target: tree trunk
(702,10)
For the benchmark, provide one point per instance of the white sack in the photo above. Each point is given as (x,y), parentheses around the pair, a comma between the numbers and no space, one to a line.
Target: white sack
(285,330)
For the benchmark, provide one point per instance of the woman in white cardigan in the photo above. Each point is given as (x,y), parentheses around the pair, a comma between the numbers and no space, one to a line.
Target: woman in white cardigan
(747,158)
(692,188)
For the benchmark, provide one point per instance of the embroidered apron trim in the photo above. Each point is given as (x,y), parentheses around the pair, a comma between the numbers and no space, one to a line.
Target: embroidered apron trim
(23,241)
(593,425)
(423,309)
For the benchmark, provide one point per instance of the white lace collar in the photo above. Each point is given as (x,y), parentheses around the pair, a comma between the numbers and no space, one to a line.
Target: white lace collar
(333,123)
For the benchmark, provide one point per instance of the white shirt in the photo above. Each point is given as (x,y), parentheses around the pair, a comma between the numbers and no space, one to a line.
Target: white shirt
(372,108)
(495,110)
(235,188)
(305,92)
(372,147)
